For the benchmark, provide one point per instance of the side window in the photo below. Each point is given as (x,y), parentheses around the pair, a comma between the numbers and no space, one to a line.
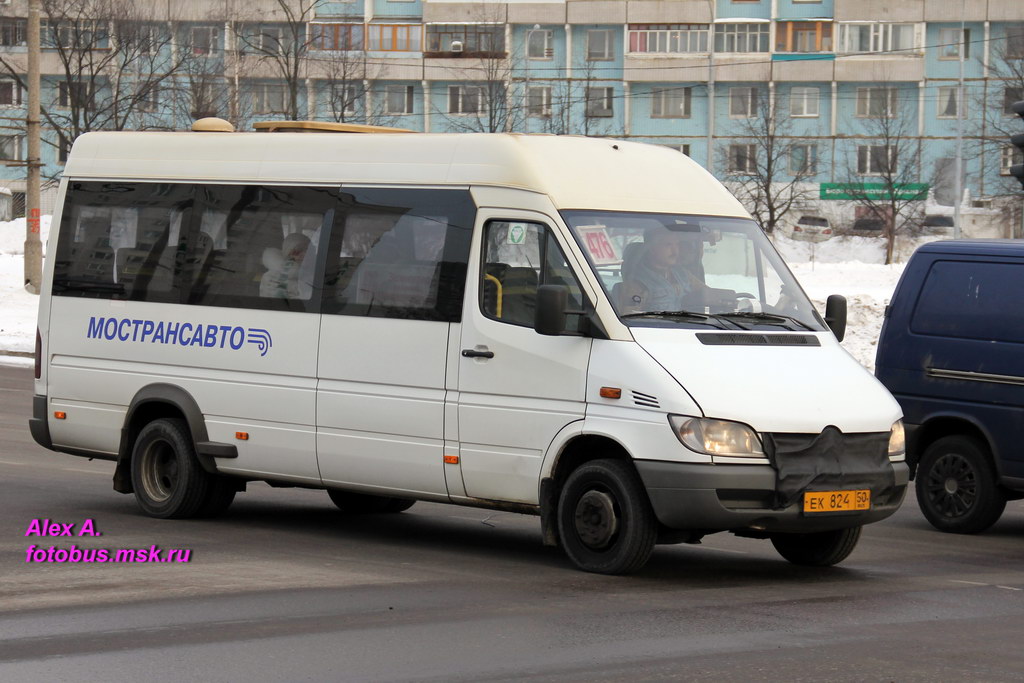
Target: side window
(122,240)
(518,258)
(971,300)
(256,246)
(400,253)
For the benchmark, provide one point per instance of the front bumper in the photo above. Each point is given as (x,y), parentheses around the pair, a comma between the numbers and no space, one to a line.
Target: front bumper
(712,498)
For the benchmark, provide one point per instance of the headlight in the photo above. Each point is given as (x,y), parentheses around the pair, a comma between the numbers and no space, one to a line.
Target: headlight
(897,441)
(716,437)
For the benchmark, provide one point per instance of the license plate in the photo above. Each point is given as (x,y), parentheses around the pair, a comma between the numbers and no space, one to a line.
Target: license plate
(836,501)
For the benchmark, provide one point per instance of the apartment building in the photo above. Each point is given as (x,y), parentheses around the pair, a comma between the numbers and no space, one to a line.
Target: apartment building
(848,88)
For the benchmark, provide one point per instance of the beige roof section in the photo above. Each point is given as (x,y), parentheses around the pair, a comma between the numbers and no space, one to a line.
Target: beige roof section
(575,172)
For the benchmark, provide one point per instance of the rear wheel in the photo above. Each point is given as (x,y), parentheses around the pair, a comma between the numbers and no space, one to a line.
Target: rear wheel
(605,521)
(366,504)
(819,549)
(956,486)
(166,475)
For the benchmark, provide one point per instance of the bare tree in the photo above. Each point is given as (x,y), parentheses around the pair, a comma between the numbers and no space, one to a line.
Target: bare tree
(115,64)
(884,167)
(771,167)
(997,123)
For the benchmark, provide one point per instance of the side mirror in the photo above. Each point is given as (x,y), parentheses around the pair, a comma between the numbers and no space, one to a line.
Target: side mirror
(835,315)
(552,300)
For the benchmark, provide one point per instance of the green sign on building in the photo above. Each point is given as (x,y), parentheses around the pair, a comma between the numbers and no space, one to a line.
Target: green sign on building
(873,191)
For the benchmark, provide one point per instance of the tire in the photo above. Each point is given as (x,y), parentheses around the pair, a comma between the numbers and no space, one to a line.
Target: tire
(605,521)
(819,549)
(956,486)
(169,483)
(366,504)
(218,500)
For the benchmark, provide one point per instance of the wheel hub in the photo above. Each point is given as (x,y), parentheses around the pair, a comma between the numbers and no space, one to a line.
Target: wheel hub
(951,485)
(596,521)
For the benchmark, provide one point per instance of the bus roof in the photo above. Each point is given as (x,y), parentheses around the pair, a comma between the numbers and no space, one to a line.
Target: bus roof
(575,172)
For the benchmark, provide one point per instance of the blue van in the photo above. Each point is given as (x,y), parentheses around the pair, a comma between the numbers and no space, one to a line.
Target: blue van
(952,353)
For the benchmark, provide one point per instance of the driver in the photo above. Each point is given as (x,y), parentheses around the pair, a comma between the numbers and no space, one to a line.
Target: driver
(668,277)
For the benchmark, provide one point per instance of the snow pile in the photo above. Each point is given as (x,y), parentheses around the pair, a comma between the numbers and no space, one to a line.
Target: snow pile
(17,307)
(12,235)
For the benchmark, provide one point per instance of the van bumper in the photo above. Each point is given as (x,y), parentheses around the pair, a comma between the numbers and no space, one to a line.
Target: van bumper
(38,424)
(712,498)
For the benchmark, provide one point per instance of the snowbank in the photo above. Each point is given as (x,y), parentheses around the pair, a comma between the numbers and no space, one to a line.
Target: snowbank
(17,307)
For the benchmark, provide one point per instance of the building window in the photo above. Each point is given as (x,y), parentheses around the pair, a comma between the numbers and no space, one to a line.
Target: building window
(269,98)
(538,44)
(803,160)
(10,93)
(600,102)
(803,102)
(148,99)
(1015,41)
(77,93)
(539,101)
(599,45)
(396,37)
(948,102)
(465,99)
(10,147)
(63,148)
(77,35)
(264,39)
(803,36)
(855,38)
(1011,96)
(668,38)
(741,37)
(876,160)
(671,103)
(398,99)
(474,38)
(1010,157)
(345,98)
(950,42)
(742,158)
(682,149)
(340,37)
(12,32)
(148,39)
(743,102)
(204,40)
(876,103)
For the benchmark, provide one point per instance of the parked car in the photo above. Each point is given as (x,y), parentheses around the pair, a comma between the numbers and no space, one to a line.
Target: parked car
(812,229)
(950,352)
(938,224)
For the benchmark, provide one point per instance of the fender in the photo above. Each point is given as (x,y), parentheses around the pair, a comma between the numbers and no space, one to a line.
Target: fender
(986,433)
(168,394)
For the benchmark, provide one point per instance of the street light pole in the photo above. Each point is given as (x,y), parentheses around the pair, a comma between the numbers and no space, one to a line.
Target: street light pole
(959,168)
(33,245)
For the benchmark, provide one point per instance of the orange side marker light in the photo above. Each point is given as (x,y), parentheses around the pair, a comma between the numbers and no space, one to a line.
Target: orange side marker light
(611,392)
(60,414)
(242,436)
(451,460)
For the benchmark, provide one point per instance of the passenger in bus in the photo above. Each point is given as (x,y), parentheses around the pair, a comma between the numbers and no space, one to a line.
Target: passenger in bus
(284,266)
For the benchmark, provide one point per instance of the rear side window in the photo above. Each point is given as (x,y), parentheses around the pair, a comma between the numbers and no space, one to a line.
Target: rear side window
(256,246)
(400,253)
(122,241)
(972,300)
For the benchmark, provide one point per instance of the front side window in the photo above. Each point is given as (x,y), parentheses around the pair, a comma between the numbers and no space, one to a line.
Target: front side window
(122,241)
(400,253)
(519,257)
(671,103)
(670,270)
(967,300)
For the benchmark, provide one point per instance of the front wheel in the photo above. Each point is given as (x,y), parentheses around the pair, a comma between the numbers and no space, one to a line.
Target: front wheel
(605,521)
(956,486)
(819,549)
(166,475)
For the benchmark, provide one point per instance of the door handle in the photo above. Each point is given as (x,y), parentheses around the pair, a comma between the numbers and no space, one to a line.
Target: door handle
(473,353)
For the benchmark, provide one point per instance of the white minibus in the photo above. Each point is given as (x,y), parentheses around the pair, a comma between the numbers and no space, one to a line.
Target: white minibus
(592,331)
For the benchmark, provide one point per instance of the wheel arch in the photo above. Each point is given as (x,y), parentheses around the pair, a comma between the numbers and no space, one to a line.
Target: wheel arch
(152,402)
(939,426)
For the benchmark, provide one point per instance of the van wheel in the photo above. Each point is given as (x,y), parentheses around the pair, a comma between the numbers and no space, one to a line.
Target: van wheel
(956,486)
(166,475)
(819,549)
(219,498)
(605,521)
(366,504)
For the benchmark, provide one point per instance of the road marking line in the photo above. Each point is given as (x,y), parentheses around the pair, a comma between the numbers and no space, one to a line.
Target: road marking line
(972,583)
(8,462)
(1009,588)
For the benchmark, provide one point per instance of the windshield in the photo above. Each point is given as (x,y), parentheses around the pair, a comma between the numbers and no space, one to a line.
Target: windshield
(691,271)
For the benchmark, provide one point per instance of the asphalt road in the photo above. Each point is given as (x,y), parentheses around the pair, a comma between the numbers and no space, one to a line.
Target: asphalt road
(285,587)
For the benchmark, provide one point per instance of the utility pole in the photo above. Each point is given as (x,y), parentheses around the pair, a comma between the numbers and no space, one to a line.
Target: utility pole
(33,245)
(959,167)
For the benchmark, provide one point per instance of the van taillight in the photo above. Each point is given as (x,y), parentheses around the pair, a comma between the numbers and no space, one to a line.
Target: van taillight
(39,354)
(826,231)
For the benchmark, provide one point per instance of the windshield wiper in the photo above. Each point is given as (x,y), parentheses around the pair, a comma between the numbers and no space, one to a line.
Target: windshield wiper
(767,318)
(692,316)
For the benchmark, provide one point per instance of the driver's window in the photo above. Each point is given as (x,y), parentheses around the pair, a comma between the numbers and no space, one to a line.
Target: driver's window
(520,256)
